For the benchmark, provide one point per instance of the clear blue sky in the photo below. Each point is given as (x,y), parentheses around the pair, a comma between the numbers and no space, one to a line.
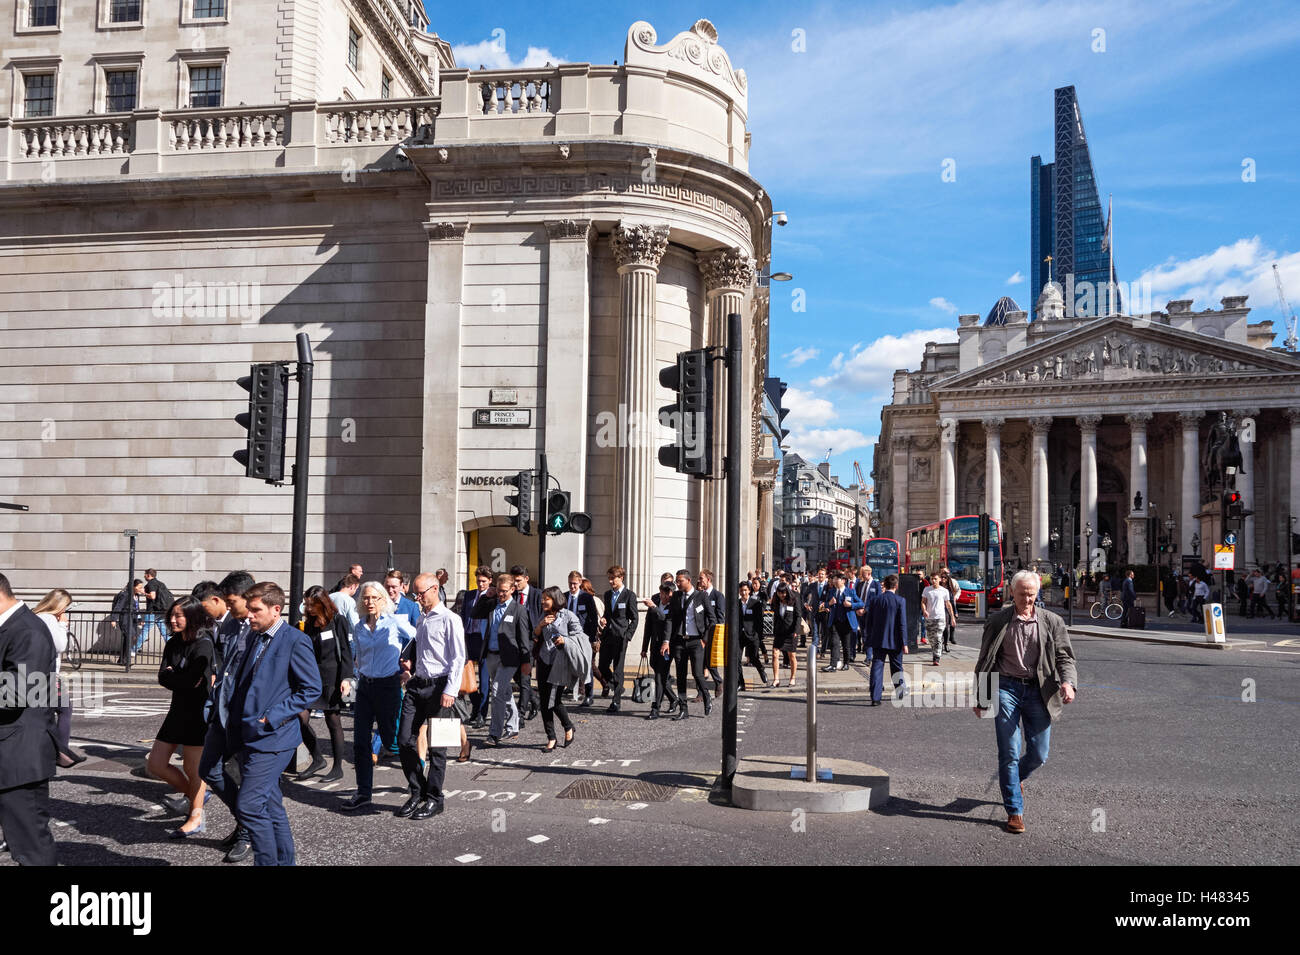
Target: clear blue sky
(851,133)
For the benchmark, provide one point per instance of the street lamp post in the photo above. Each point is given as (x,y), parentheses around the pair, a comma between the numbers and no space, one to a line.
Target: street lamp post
(1087,550)
(1170,526)
(1067,515)
(1025,543)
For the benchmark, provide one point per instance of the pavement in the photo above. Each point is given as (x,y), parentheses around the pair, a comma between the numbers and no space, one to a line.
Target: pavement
(1169,756)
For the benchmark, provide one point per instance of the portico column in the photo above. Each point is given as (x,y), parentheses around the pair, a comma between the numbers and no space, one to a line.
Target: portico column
(993,469)
(1039,530)
(638,250)
(900,446)
(1087,480)
(1246,485)
(1137,478)
(727,274)
(948,467)
(1293,416)
(765,513)
(1191,494)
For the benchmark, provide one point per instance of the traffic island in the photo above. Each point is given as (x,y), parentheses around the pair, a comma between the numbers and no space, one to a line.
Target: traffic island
(765,783)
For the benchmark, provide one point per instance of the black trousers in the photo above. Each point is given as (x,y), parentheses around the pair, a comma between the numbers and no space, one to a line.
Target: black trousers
(527,695)
(25,819)
(613,651)
(840,635)
(754,651)
(692,650)
(423,701)
(552,704)
(661,666)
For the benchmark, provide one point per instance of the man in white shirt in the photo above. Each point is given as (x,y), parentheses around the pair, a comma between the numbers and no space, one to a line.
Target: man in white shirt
(438,660)
(1200,594)
(344,598)
(936,608)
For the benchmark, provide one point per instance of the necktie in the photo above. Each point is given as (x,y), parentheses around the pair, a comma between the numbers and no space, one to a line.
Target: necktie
(496,618)
(573,602)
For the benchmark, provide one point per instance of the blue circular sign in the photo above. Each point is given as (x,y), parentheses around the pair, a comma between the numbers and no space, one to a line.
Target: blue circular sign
(1229,539)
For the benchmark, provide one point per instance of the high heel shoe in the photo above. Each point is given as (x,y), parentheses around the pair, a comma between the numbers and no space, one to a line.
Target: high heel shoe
(317,764)
(549,747)
(568,737)
(335,774)
(465,754)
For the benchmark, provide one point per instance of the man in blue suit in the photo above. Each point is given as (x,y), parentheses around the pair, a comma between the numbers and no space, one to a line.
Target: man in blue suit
(814,602)
(868,589)
(842,621)
(277,679)
(887,636)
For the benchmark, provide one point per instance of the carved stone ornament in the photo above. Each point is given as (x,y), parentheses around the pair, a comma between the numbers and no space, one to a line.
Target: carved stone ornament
(568,228)
(639,244)
(921,470)
(1138,420)
(1117,357)
(993,425)
(1040,425)
(1088,422)
(1190,419)
(901,442)
(1292,414)
(726,269)
(443,156)
(564,150)
(444,231)
(697,46)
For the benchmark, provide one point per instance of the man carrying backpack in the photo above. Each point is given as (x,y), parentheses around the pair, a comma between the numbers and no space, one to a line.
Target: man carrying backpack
(159,601)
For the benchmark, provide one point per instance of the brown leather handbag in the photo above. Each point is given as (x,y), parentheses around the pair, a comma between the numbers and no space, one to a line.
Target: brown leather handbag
(469,678)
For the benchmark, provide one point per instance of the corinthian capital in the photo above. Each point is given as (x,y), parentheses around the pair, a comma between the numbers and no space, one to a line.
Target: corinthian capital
(639,244)
(1040,425)
(445,231)
(726,269)
(1292,414)
(993,426)
(1190,419)
(568,228)
(1088,422)
(1138,420)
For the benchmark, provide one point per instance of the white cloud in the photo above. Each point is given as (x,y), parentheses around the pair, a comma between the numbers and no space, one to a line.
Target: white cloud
(812,445)
(1243,268)
(801,355)
(1016,279)
(943,305)
(870,372)
(811,431)
(493,55)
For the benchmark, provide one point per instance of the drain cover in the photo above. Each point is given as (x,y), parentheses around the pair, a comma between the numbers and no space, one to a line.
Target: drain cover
(498,774)
(618,790)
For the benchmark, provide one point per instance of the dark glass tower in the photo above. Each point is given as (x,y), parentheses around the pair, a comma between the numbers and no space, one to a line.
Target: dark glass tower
(1066,220)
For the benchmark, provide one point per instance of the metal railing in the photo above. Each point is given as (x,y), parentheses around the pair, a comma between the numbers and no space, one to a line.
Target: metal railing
(97,636)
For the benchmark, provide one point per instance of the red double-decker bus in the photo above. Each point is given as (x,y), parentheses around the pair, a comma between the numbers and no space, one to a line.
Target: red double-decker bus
(881,555)
(954,544)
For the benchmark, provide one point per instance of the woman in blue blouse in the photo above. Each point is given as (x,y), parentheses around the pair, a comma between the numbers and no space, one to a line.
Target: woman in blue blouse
(377,642)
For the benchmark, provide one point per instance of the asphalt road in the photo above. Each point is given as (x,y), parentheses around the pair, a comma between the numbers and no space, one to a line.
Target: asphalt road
(1159,761)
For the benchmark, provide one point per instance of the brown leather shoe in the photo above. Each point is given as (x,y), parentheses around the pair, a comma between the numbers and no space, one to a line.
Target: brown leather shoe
(1015,823)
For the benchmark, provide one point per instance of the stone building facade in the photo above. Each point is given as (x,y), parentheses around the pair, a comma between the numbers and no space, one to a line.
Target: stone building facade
(817,511)
(542,241)
(1019,419)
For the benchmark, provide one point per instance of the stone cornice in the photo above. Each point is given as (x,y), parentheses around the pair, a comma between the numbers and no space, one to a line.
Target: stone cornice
(446,231)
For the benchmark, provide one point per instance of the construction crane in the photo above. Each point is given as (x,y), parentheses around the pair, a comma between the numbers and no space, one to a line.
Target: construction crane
(828,455)
(1290,343)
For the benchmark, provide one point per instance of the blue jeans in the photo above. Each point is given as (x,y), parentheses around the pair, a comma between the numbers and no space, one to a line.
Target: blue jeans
(149,620)
(1020,701)
(261,806)
(377,701)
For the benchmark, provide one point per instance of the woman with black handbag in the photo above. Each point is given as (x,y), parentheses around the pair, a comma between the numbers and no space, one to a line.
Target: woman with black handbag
(751,631)
(559,645)
(787,625)
(330,634)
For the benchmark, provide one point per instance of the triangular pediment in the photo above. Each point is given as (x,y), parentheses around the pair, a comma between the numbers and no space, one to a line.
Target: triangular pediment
(1118,349)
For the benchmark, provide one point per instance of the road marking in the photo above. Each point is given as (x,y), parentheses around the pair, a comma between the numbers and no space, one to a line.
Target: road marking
(60,823)
(638,805)
(468,857)
(1289,653)
(539,839)
(330,786)
(598,821)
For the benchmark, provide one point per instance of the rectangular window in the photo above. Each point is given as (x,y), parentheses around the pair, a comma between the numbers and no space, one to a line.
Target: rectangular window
(124,11)
(209,9)
(38,94)
(121,91)
(43,13)
(354,47)
(385,86)
(205,86)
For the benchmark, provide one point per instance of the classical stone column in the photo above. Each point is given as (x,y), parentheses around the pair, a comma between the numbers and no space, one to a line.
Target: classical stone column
(1039,529)
(1137,479)
(900,446)
(1191,491)
(1246,485)
(727,275)
(1087,480)
(765,513)
(638,250)
(568,322)
(993,469)
(948,428)
(441,540)
(1293,418)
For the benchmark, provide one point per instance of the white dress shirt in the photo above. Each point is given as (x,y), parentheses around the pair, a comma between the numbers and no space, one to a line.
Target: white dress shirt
(440,647)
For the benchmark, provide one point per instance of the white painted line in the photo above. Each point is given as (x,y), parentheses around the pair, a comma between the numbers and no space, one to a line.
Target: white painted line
(1289,653)
(329,787)
(468,857)
(740,731)
(598,821)
(638,805)
(60,823)
(539,839)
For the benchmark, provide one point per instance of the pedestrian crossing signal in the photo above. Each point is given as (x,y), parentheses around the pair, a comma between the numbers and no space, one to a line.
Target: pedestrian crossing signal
(557,512)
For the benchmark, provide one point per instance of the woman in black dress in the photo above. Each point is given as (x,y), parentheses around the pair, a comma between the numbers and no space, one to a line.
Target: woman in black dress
(330,634)
(751,631)
(186,670)
(785,631)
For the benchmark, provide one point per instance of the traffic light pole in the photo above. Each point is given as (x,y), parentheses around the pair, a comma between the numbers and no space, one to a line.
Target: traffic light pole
(731,683)
(301,467)
(543,532)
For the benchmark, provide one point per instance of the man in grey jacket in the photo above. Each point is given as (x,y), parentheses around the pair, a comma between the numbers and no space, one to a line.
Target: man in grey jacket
(1026,655)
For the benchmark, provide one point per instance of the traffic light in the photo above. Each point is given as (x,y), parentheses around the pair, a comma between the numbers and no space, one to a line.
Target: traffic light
(776,389)
(1232,506)
(266,420)
(522,502)
(557,512)
(690,415)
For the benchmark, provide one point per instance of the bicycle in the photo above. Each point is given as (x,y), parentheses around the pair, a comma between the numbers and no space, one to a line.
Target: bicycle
(1111,608)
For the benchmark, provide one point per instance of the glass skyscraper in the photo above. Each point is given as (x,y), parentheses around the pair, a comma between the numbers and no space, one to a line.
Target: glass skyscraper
(1066,219)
